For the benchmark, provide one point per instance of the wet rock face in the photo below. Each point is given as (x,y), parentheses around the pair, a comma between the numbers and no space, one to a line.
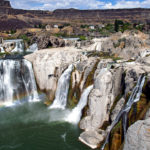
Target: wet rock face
(100,100)
(137,137)
(111,86)
(146,90)
(106,88)
(82,77)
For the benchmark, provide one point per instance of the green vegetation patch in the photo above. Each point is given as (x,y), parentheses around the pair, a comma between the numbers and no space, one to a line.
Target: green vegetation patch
(25,38)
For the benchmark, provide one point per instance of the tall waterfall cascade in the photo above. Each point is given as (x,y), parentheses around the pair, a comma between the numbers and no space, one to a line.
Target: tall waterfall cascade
(135,97)
(62,89)
(76,113)
(17,82)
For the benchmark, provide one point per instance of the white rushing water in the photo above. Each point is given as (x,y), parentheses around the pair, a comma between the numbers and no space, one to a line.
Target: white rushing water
(33,89)
(76,113)
(32,48)
(19,45)
(17,80)
(62,90)
(135,97)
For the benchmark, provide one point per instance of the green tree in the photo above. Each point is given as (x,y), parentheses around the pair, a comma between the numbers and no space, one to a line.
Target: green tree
(117,24)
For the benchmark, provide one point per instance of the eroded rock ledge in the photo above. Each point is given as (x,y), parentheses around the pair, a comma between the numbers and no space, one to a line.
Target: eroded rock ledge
(113,83)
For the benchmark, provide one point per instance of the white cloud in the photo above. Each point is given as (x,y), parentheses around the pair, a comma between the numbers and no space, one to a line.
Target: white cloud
(79,4)
(56,4)
(128,4)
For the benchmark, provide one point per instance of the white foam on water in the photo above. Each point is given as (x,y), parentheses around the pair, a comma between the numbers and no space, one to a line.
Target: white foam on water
(62,90)
(75,115)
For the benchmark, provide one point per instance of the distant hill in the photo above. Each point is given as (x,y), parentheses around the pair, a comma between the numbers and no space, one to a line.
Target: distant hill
(17,18)
(4,3)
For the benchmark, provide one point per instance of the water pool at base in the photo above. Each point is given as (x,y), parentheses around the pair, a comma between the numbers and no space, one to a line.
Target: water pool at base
(32,126)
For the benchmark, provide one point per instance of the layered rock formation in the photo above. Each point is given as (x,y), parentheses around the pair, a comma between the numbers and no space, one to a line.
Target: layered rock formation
(29,18)
(4,3)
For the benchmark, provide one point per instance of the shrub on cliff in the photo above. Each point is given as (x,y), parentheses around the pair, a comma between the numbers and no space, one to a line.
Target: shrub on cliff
(25,38)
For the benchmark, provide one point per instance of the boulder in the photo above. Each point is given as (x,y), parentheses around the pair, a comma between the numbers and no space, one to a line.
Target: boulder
(91,138)
(56,42)
(138,136)
(45,41)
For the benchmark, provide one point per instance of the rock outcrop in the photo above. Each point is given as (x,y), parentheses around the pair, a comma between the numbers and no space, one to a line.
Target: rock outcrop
(49,64)
(128,45)
(8,47)
(46,41)
(138,136)
(111,88)
(113,83)
(101,99)
(4,3)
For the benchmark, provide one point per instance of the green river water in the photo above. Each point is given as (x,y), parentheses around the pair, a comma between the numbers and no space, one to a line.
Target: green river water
(32,126)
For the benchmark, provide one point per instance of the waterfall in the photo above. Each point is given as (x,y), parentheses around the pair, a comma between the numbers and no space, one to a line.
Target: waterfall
(75,115)
(17,81)
(31,82)
(32,48)
(135,97)
(19,45)
(62,89)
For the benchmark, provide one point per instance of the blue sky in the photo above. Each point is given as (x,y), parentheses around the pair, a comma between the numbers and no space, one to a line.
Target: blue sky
(79,4)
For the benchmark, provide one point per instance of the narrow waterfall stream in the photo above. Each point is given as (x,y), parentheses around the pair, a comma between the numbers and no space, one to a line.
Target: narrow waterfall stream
(18,45)
(62,89)
(33,89)
(76,113)
(17,82)
(134,97)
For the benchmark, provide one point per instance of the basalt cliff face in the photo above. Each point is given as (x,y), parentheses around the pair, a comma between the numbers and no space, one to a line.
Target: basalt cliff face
(18,18)
(102,15)
(4,3)
(118,89)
